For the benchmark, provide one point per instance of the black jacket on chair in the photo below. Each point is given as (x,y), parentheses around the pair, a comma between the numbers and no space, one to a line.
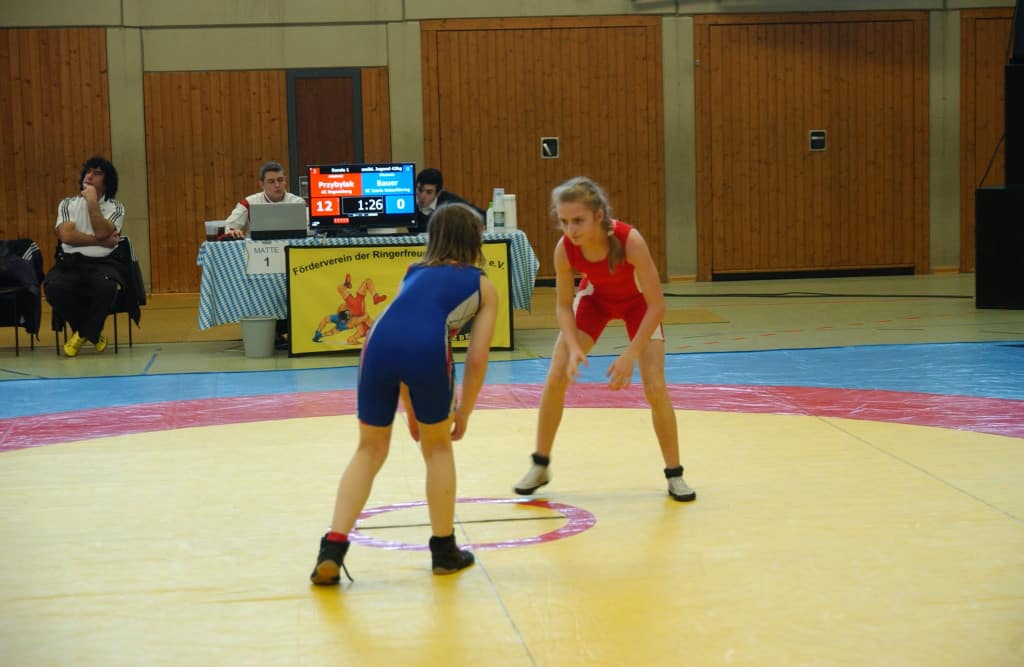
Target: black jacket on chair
(133,296)
(21,266)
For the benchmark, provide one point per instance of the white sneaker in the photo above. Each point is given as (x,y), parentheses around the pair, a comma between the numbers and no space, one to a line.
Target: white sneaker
(536,477)
(679,490)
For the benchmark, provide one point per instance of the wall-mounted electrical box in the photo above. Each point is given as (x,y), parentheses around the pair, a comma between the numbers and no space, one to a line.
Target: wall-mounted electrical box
(549,147)
(817,141)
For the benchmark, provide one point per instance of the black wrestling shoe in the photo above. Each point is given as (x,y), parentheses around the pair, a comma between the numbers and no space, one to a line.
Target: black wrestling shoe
(446,557)
(329,563)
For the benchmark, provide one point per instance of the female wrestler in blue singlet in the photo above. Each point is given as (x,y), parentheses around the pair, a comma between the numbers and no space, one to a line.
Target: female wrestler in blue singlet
(408,353)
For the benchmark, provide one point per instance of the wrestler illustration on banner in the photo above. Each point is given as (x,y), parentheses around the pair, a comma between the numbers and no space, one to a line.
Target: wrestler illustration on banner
(351,313)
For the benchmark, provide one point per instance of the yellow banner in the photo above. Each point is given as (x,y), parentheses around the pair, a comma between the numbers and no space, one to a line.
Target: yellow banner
(336,292)
(496,258)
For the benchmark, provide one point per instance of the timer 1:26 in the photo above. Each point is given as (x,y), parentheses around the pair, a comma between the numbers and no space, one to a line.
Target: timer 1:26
(362,205)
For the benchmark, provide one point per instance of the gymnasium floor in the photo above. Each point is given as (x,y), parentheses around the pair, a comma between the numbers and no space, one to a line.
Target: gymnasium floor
(856,446)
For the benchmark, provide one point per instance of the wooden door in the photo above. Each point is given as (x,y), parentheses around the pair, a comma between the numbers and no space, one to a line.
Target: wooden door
(767,203)
(494,88)
(325,119)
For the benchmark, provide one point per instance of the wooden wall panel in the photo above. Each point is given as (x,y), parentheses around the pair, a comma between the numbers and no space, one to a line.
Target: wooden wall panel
(54,113)
(984,35)
(766,203)
(207,133)
(493,88)
(376,115)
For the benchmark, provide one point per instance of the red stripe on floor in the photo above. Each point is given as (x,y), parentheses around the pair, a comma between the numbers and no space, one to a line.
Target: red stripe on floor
(983,415)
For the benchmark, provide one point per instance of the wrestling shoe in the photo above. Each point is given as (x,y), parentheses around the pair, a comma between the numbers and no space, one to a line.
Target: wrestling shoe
(348,281)
(101,343)
(446,557)
(317,336)
(73,345)
(536,477)
(377,298)
(329,563)
(677,488)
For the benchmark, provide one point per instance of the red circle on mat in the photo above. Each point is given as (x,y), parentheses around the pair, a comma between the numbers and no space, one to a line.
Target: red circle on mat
(577,521)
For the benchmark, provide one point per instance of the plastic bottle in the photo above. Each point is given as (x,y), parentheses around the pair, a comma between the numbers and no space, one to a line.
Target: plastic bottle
(510,212)
(498,204)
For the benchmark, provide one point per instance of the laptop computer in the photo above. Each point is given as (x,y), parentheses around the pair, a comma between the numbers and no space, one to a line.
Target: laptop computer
(286,220)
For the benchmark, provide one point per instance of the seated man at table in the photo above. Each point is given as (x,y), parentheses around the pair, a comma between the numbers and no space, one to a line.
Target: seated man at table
(430,194)
(274,184)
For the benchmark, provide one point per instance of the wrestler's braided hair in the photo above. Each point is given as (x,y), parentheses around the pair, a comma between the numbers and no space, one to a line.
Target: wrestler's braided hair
(590,194)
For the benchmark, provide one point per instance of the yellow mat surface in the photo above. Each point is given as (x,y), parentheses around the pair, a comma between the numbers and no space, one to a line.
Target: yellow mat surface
(813,541)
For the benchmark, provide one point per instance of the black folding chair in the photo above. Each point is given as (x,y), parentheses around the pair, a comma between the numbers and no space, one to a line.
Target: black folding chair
(129,300)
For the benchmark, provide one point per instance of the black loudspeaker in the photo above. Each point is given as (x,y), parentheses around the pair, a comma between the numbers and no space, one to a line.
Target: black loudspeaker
(999,247)
(1014,122)
(1018,33)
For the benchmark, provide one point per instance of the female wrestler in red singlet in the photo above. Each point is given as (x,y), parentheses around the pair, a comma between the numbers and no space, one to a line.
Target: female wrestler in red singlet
(621,282)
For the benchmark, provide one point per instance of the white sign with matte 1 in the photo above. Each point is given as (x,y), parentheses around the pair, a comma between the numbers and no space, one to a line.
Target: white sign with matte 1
(263,257)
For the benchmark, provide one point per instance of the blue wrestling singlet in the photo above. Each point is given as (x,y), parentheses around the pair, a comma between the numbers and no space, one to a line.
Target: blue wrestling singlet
(410,342)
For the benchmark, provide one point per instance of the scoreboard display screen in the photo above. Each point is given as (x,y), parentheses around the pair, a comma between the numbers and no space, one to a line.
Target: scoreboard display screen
(362,198)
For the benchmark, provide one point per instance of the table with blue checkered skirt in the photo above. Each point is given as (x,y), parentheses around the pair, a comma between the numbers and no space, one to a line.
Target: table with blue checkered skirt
(227,293)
